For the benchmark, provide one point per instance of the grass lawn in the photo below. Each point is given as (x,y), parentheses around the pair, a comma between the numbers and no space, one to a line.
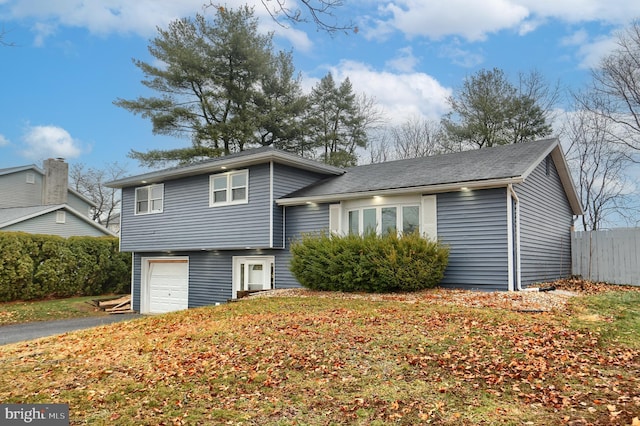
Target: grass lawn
(47,310)
(333,360)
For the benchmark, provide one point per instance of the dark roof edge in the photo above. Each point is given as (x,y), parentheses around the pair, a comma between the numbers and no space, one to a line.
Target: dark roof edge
(232,161)
(426,189)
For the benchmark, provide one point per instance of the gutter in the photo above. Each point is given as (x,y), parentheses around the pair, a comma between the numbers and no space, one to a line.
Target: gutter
(517,235)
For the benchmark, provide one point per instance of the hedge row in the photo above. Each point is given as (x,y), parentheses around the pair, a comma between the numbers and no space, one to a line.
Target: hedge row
(369,263)
(42,266)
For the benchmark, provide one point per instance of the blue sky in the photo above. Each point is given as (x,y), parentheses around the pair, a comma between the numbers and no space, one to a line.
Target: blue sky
(72,59)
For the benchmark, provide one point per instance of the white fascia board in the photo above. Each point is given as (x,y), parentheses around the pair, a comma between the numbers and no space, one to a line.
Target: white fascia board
(428,189)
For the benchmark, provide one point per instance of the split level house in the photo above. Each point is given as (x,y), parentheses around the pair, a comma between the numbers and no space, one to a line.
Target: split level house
(40,201)
(200,234)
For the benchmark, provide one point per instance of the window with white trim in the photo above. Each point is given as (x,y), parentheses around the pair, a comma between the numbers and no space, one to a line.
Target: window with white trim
(381,215)
(61,217)
(384,219)
(31,178)
(150,199)
(229,188)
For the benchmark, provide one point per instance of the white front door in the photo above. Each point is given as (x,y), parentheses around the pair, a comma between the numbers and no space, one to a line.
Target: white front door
(251,273)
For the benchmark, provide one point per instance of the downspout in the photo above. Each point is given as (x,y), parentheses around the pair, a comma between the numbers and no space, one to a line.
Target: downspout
(271,204)
(517,237)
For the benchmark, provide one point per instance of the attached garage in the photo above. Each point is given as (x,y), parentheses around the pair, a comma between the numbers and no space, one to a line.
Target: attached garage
(165,285)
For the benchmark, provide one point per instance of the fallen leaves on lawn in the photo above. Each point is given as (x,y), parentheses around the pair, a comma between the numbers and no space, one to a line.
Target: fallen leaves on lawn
(333,360)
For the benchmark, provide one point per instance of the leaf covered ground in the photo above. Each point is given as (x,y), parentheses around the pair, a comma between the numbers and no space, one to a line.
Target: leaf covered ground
(295,360)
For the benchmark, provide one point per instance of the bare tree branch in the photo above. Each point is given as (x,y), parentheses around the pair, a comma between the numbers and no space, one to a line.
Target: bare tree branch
(3,41)
(320,12)
(90,183)
(616,82)
(599,165)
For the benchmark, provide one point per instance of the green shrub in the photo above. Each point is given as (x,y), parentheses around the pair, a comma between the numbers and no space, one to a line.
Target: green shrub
(41,266)
(368,263)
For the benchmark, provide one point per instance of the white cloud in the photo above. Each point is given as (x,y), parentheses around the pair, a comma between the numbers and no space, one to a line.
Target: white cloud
(401,95)
(611,11)
(592,52)
(50,141)
(405,61)
(470,19)
(577,38)
(103,17)
(474,20)
(3,141)
(460,56)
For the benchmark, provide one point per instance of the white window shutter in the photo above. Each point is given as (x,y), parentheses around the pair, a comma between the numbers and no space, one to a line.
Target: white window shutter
(335,211)
(430,217)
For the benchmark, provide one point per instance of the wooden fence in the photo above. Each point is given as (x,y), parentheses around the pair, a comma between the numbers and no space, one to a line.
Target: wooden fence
(611,256)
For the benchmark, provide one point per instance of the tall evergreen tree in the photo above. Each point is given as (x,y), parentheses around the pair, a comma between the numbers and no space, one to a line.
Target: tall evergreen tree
(336,123)
(220,84)
(488,110)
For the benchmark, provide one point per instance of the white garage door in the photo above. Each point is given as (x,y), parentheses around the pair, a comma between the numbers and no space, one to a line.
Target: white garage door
(168,285)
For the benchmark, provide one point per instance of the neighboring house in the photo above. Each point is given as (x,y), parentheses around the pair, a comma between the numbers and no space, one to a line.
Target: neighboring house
(202,233)
(39,201)
(114,223)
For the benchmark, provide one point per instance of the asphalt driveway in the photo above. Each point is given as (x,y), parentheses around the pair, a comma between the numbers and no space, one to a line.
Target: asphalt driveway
(34,330)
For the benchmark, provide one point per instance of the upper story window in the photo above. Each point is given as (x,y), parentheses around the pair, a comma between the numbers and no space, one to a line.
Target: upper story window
(61,217)
(149,199)
(31,178)
(229,188)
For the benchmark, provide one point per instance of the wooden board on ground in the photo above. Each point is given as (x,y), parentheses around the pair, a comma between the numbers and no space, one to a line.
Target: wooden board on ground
(117,305)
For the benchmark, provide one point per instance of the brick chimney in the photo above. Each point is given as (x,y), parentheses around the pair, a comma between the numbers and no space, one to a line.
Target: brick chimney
(56,181)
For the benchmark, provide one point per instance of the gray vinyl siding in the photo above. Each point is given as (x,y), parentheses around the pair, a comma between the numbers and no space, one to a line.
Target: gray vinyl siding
(210,274)
(299,220)
(136,275)
(46,224)
(474,225)
(187,222)
(286,180)
(545,226)
(16,192)
(78,203)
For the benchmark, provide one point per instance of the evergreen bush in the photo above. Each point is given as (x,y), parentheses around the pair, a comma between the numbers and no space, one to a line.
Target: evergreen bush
(369,263)
(42,266)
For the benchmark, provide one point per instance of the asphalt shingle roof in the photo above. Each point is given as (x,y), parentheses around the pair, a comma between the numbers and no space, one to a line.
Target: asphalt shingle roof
(469,166)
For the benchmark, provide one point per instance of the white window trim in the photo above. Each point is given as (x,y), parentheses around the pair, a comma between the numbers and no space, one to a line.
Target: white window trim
(149,200)
(229,177)
(427,211)
(31,177)
(378,209)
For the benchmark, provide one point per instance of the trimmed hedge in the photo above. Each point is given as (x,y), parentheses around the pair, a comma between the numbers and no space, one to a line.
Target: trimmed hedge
(42,266)
(368,263)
